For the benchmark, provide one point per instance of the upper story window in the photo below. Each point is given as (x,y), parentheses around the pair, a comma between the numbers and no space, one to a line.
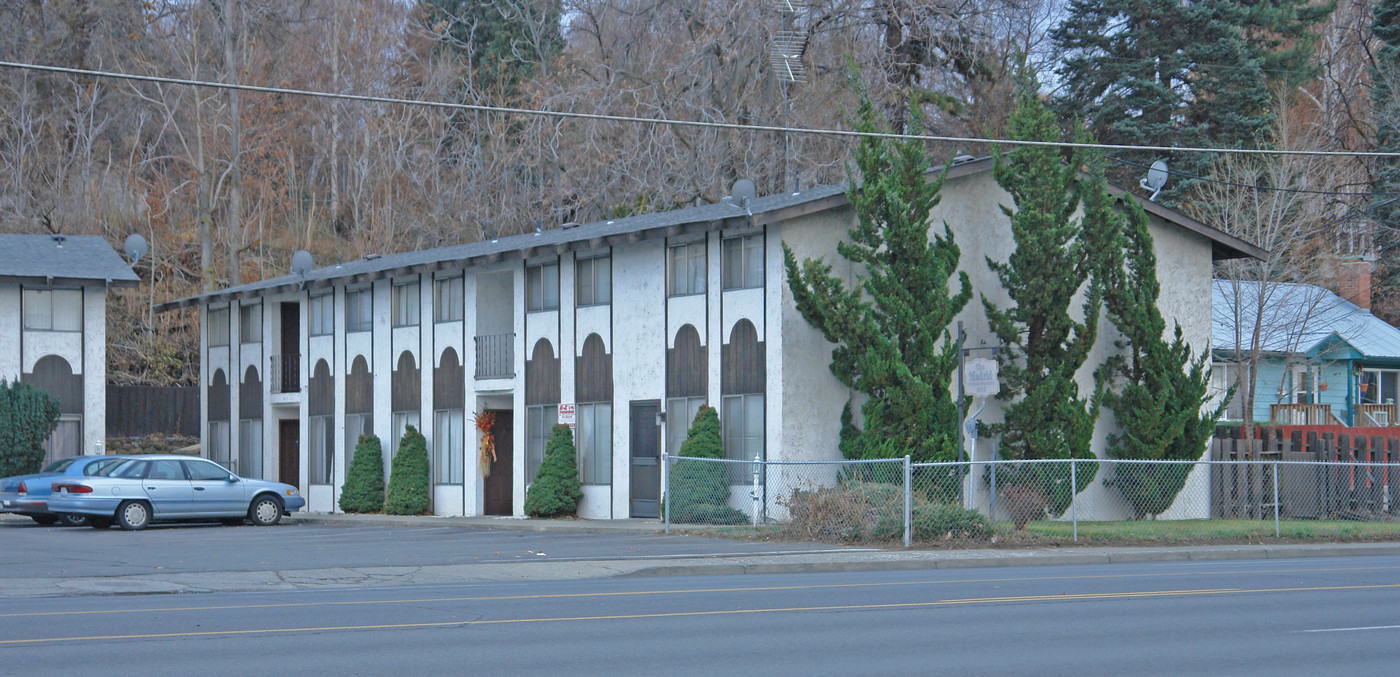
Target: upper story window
(359,310)
(406,304)
(53,309)
(687,269)
(250,323)
(594,281)
(447,299)
(218,327)
(321,311)
(743,262)
(542,287)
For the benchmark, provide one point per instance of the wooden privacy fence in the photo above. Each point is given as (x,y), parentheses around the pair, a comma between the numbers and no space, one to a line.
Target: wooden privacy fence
(1308,474)
(136,411)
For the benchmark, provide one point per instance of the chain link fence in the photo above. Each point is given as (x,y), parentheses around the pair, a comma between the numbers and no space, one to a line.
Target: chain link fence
(888,500)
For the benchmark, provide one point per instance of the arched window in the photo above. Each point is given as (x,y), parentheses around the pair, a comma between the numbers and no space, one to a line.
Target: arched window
(541,403)
(593,390)
(53,375)
(743,375)
(449,398)
(250,430)
(687,375)
(405,397)
(320,403)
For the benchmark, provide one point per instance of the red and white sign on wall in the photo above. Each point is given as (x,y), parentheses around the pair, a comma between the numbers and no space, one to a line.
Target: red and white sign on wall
(567,416)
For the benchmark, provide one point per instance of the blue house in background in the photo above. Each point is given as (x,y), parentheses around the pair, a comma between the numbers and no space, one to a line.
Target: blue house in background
(1325,360)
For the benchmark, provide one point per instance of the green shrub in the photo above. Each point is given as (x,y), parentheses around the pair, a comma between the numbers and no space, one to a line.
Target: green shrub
(699,491)
(27,417)
(936,522)
(555,491)
(408,478)
(364,482)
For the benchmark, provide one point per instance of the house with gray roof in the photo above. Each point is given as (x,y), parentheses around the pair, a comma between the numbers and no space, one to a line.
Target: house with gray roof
(623,328)
(53,298)
(1325,359)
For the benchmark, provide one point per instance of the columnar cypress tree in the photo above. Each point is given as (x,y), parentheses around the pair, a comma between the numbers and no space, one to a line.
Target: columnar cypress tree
(364,481)
(1174,73)
(408,478)
(1156,391)
(891,327)
(699,491)
(1056,256)
(27,417)
(555,491)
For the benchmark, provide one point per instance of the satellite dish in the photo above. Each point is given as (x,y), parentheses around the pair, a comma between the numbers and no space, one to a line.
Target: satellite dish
(136,247)
(1156,178)
(302,263)
(742,191)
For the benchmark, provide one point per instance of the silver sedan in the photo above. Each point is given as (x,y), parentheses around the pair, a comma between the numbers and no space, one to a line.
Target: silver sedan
(145,489)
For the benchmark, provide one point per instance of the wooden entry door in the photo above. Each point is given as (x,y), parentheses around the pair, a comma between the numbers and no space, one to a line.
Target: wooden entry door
(289,451)
(646,460)
(496,490)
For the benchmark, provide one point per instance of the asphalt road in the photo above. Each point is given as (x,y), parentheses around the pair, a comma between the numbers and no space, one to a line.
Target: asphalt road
(1280,617)
(28,550)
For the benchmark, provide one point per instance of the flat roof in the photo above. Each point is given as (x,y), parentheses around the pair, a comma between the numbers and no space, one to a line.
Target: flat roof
(760,211)
(63,259)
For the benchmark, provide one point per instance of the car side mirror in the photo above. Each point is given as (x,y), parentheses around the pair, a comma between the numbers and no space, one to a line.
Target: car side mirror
(233,478)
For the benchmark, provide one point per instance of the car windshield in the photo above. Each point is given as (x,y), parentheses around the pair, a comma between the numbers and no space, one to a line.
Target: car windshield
(60,465)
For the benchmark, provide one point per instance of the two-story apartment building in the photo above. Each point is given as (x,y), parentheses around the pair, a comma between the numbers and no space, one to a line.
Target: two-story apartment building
(53,328)
(635,322)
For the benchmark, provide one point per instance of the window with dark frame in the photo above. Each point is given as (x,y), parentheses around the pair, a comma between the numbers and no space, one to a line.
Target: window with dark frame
(321,315)
(250,323)
(53,309)
(743,262)
(594,276)
(218,327)
(359,310)
(542,287)
(406,304)
(742,424)
(595,443)
(687,269)
(447,299)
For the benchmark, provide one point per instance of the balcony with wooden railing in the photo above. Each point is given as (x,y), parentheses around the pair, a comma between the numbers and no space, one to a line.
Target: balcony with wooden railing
(1301,414)
(1376,415)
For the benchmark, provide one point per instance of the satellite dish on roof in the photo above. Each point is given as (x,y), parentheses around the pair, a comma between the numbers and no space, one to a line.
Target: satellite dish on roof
(743,190)
(1156,178)
(302,263)
(135,247)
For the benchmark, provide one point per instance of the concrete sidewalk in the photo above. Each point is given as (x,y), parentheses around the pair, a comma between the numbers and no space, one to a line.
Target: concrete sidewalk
(624,564)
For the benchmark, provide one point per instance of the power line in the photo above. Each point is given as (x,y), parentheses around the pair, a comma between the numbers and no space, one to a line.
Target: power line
(1257,187)
(669,122)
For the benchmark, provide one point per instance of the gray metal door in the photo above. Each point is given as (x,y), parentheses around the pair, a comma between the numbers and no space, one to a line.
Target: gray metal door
(646,459)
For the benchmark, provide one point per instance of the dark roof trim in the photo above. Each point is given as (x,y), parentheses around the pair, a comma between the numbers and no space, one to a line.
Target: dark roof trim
(762,211)
(32,281)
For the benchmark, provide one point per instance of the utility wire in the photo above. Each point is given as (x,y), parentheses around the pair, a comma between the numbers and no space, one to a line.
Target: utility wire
(669,122)
(1222,182)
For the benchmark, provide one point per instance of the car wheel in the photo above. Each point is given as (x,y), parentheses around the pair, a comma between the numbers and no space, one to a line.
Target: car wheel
(265,511)
(99,522)
(45,520)
(133,515)
(71,520)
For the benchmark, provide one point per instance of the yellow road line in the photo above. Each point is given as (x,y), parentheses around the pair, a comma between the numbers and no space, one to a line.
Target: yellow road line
(686,614)
(640,593)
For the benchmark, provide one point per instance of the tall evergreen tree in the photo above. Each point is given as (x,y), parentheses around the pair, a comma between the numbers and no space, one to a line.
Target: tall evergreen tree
(1157,389)
(503,43)
(1057,256)
(1173,73)
(1385,107)
(891,327)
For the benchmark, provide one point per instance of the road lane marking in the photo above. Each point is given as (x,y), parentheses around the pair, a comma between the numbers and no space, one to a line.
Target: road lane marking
(1369,627)
(966,601)
(683,591)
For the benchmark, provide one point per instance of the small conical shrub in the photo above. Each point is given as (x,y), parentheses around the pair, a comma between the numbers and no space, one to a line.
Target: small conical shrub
(27,417)
(364,483)
(699,491)
(408,478)
(555,491)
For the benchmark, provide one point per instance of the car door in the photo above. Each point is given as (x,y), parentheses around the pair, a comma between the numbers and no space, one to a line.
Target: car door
(167,487)
(212,493)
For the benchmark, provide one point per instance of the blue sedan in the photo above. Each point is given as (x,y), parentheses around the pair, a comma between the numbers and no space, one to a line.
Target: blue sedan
(28,495)
(146,489)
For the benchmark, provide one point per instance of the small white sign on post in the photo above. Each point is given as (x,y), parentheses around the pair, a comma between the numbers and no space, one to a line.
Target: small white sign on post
(980,378)
(567,416)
